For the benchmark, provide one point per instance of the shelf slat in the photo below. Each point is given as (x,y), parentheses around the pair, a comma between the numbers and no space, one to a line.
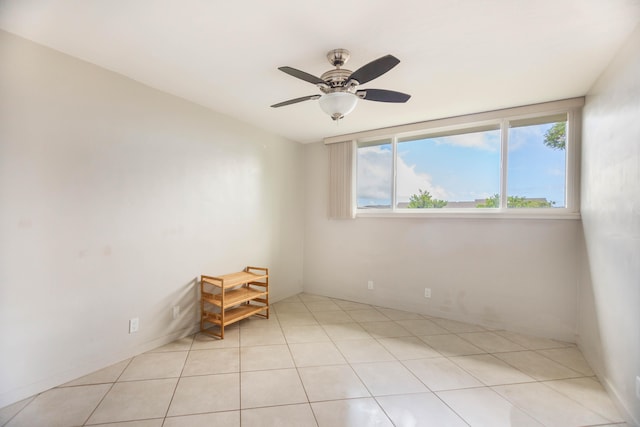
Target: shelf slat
(234,314)
(233,279)
(234,297)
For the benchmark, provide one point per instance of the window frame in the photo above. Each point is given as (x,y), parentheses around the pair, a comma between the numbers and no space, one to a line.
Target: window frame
(571,107)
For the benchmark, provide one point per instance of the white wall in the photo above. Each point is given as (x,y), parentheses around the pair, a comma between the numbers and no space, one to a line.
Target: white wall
(609,305)
(513,274)
(114,197)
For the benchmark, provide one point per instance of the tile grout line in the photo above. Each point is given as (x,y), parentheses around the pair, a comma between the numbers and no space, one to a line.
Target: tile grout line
(23,408)
(452,410)
(306,393)
(108,391)
(166,413)
(376,339)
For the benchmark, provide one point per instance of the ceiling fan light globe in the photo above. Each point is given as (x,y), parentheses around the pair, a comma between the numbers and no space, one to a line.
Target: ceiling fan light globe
(338,104)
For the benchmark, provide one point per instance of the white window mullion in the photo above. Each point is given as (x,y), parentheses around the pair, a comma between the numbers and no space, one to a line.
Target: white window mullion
(394,185)
(504,159)
(572,159)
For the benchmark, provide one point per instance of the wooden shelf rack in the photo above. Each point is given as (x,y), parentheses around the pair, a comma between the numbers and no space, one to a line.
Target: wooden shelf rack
(232,297)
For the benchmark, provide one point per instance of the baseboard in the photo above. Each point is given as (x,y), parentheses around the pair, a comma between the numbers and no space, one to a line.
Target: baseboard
(626,413)
(59,378)
(565,335)
(618,402)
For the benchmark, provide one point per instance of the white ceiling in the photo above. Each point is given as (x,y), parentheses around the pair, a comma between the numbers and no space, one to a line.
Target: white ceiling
(457,56)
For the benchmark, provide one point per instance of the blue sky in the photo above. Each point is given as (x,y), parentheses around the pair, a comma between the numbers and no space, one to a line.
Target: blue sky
(464,167)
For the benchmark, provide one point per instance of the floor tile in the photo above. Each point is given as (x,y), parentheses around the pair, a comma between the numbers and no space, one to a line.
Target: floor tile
(548,406)
(156,422)
(150,366)
(329,317)
(484,407)
(419,410)
(614,425)
(367,350)
(491,342)
(182,344)
(491,370)
(307,298)
(357,363)
(421,327)
(457,327)
(350,413)
(291,307)
(369,315)
(346,331)
(109,374)
(265,357)
(223,419)
(61,406)
(441,374)
(206,393)
(293,298)
(405,348)
(385,378)
(385,329)
(206,342)
(208,362)
(350,305)
(316,354)
(259,322)
(537,366)
(304,334)
(269,388)
(261,336)
(10,411)
(533,343)
(315,306)
(570,357)
(135,400)
(451,345)
(332,382)
(399,315)
(589,393)
(279,416)
(297,319)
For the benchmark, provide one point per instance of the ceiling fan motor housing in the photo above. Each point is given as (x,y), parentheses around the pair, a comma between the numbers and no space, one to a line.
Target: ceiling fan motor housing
(335,78)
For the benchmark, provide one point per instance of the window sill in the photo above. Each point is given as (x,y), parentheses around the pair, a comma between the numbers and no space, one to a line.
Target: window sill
(527,214)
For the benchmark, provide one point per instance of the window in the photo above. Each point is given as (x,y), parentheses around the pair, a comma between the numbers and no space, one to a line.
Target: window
(374,178)
(517,160)
(449,169)
(536,175)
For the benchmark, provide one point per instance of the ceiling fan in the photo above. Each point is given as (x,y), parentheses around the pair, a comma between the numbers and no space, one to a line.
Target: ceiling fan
(339,87)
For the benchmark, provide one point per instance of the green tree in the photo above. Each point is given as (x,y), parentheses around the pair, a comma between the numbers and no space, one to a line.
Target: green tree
(556,136)
(424,200)
(490,202)
(515,202)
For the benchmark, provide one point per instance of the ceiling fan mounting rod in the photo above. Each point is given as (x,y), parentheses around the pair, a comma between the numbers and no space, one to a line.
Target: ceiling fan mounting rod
(338,57)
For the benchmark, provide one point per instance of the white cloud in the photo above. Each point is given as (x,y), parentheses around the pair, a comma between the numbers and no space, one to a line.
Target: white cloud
(374,177)
(374,173)
(520,137)
(489,141)
(410,181)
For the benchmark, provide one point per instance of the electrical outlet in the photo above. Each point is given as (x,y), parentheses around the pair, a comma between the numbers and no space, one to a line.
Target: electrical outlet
(176,311)
(638,387)
(370,284)
(134,324)
(427,292)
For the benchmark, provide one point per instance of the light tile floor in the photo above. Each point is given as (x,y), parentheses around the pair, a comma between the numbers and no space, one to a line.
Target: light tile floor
(320,361)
